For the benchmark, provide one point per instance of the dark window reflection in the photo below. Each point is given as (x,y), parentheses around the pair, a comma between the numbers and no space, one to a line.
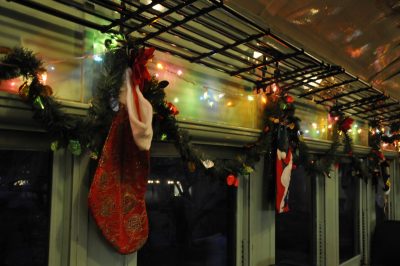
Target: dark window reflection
(348,212)
(294,229)
(25,184)
(192,218)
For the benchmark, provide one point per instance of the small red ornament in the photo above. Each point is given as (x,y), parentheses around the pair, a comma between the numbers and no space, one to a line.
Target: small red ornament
(236,182)
(289,99)
(294,167)
(172,108)
(230,180)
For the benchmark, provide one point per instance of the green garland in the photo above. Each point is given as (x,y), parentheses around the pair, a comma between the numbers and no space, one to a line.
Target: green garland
(89,132)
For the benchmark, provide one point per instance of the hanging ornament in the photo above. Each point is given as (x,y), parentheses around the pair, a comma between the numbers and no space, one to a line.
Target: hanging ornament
(172,108)
(208,164)
(247,169)
(191,166)
(236,184)
(75,147)
(54,145)
(38,102)
(164,137)
(289,99)
(114,104)
(230,180)
(23,91)
(94,155)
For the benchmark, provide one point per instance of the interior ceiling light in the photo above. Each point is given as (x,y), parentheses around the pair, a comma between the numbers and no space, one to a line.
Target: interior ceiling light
(256,54)
(160,8)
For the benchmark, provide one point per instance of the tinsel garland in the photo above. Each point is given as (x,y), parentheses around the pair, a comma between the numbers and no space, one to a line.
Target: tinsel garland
(80,133)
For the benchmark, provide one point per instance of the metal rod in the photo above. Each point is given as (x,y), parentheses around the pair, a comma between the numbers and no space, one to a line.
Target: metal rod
(229,46)
(322,75)
(291,75)
(58,13)
(224,31)
(343,95)
(392,117)
(161,15)
(360,102)
(328,87)
(178,23)
(388,112)
(268,62)
(83,8)
(131,14)
(250,22)
(195,40)
(376,108)
(305,80)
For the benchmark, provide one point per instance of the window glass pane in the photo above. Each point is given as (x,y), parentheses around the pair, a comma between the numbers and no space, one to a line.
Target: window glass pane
(25,193)
(295,228)
(192,218)
(348,212)
(319,125)
(203,95)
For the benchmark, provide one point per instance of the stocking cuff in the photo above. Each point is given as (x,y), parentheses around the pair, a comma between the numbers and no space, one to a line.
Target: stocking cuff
(140,114)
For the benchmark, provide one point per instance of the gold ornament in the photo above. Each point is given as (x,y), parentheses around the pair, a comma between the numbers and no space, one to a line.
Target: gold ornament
(23,91)
(247,169)
(191,166)
(94,155)
(208,164)
(54,145)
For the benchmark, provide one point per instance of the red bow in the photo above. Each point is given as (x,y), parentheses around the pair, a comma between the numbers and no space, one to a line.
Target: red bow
(140,73)
(345,125)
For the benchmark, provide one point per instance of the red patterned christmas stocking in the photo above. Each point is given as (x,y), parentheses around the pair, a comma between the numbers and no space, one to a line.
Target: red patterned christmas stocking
(116,196)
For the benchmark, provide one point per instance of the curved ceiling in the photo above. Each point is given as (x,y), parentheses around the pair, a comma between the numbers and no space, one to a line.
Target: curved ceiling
(362,36)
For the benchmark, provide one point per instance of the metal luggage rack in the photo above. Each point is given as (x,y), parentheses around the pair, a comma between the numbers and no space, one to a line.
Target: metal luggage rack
(210,33)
